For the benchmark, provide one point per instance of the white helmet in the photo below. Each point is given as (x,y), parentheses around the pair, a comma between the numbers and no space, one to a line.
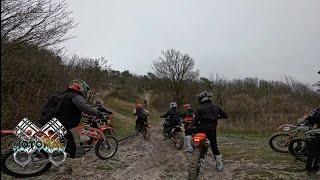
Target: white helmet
(173,105)
(205,96)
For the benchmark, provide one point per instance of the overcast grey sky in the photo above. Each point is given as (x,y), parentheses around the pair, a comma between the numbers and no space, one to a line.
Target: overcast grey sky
(237,38)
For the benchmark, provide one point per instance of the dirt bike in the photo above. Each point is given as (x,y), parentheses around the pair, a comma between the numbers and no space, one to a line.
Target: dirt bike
(200,145)
(105,147)
(173,133)
(144,129)
(279,141)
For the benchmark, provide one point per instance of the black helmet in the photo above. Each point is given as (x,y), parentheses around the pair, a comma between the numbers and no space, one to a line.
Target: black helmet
(98,103)
(204,96)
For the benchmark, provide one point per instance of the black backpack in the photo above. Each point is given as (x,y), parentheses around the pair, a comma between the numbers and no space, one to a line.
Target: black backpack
(141,115)
(51,109)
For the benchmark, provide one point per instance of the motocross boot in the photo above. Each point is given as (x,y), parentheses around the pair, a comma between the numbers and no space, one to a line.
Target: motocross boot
(77,168)
(189,147)
(219,163)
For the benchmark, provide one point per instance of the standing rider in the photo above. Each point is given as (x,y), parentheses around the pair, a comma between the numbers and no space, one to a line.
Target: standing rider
(174,116)
(72,105)
(187,117)
(313,142)
(206,119)
(142,116)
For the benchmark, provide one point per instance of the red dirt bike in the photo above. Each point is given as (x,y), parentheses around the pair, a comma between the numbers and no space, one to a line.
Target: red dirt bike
(279,141)
(200,145)
(94,135)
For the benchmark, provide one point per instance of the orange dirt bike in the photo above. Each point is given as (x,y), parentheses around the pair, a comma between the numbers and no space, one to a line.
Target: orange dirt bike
(200,145)
(279,141)
(38,162)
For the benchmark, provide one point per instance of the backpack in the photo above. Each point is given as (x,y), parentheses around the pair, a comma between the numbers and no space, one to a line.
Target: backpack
(141,115)
(51,109)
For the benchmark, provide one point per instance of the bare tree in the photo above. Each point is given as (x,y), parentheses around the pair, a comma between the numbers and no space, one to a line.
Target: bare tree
(40,22)
(176,71)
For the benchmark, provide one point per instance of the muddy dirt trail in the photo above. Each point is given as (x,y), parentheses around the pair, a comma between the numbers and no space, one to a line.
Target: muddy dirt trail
(156,159)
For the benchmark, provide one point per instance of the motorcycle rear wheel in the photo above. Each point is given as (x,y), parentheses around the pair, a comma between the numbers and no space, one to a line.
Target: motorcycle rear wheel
(279,142)
(179,140)
(146,133)
(194,165)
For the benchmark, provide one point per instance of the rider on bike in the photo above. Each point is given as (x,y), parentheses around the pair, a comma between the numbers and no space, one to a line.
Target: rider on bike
(313,143)
(100,108)
(174,116)
(206,119)
(72,105)
(188,136)
(142,116)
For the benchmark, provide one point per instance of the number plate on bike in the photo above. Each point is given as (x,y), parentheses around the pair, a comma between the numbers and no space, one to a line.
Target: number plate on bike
(286,128)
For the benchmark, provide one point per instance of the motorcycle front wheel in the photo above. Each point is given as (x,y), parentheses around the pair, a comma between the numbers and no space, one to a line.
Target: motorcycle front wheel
(298,148)
(38,165)
(106,149)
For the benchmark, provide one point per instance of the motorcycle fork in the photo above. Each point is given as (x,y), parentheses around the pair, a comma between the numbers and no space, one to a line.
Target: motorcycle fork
(292,135)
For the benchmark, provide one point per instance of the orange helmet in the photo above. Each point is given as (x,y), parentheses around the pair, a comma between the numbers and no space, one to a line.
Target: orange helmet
(187,106)
(139,105)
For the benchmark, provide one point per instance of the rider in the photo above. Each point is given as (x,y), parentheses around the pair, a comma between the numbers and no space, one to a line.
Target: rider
(142,116)
(313,143)
(187,123)
(174,116)
(100,108)
(206,119)
(72,105)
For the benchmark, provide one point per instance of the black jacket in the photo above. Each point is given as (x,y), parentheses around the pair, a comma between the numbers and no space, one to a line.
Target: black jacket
(174,116)
(103,110)
(313,117)
(72,106)
(188,113)
(207,115)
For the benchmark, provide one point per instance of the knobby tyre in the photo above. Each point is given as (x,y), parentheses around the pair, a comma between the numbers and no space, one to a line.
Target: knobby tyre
(297,147)
(179,140)
(17,171)
(194,165)
(106,149)
(146,133)
(279,142)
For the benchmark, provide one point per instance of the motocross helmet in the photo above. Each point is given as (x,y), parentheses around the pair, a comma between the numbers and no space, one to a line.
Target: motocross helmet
(98,103)
(205,96)
(79,86)
(187,106)
(173,105)
(139,105)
